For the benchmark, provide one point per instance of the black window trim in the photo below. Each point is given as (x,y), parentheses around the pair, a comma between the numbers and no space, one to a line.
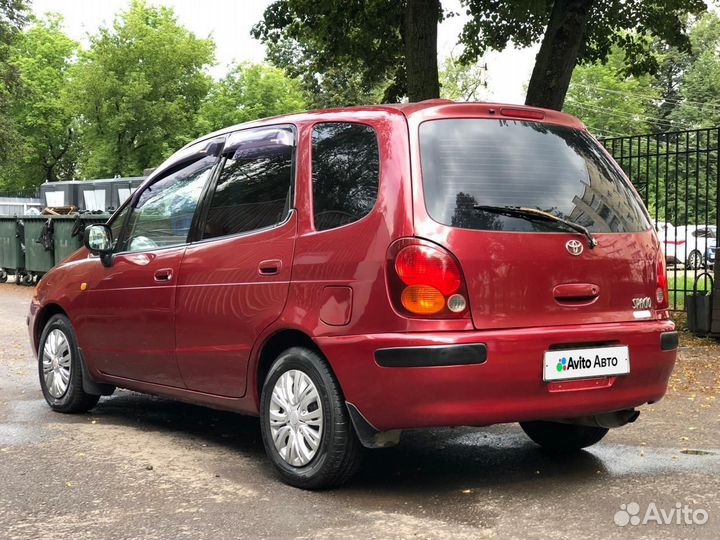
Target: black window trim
(195,235)
(312,194)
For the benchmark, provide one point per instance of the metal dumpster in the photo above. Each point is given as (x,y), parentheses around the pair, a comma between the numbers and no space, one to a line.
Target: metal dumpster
(66,193)
(39,246)
(124,187)
(12,254)
(106,194)
(96,195)
(68,233)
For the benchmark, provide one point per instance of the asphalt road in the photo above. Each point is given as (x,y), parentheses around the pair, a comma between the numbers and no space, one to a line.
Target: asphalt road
(142,467)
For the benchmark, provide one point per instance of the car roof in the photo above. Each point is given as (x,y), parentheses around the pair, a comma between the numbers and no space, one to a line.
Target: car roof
(437,108)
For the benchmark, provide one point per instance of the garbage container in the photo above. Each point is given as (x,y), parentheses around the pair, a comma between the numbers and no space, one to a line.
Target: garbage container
(64,242)
(55,194)
(39,245)
(124,187)
(68,232)
(699,306)
(96,195)
(12,255)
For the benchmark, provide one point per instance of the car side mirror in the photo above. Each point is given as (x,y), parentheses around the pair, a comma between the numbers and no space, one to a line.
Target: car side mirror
(99,241)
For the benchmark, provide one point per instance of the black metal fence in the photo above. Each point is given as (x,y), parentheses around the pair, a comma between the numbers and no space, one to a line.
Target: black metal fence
(677,175)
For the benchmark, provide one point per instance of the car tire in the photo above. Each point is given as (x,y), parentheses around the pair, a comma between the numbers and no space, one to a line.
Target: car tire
(60,368)
(562,438)
(694,260)
(301,380)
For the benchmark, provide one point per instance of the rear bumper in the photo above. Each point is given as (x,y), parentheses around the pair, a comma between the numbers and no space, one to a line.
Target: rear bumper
(505,384)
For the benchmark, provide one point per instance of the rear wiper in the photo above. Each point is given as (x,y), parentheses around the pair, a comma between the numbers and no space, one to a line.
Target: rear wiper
(518,211)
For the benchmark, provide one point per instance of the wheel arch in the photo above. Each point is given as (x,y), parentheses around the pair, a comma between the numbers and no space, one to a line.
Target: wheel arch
(43,316)
(271,347)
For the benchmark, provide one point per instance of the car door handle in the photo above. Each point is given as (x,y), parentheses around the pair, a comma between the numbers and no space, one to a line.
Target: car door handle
(164,275)
(576,292)
(270,267)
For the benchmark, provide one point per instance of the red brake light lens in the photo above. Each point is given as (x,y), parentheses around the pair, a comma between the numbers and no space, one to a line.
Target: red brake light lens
(522,113)
(425,280)
(425,265)
(661,292)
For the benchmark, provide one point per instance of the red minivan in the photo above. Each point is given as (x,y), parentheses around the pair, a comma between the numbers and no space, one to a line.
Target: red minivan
(347,274)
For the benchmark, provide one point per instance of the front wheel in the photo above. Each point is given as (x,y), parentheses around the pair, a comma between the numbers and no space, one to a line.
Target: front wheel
(306,428)
(60,368)
(558,437)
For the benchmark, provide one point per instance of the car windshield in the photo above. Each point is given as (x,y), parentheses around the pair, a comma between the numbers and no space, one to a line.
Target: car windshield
(469,164)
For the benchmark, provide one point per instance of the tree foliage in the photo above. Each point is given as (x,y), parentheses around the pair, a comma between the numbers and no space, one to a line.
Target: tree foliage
(462,82)
(248,92)
(369,41)
(611,101)
(13,14)
(41,112)
(683,94)
(576,31)
(345,53)
(138,89)
(699,91)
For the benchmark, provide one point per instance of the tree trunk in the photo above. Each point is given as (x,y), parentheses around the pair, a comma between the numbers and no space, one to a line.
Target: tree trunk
(421,27)
(558,53)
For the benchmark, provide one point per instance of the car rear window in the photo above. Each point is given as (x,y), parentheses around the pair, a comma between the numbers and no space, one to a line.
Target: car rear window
(563,171)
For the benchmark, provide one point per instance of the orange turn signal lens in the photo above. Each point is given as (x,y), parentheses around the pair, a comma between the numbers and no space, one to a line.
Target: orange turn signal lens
(422,300)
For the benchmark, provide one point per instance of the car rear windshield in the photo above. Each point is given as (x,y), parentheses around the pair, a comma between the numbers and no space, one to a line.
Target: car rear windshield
(468,163)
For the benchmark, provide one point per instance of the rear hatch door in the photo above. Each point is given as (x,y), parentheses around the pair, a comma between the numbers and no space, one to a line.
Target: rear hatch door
(525,271)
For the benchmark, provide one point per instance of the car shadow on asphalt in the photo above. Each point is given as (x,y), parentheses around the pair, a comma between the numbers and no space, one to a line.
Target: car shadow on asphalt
(450,459)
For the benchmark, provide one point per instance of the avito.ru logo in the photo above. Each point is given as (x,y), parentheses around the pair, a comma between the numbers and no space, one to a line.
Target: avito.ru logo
(629,514)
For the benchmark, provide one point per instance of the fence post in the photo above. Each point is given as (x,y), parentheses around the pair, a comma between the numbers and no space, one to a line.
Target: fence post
(715,316)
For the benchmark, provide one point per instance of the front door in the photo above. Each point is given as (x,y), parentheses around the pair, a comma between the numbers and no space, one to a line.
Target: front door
(234,280)
(125,320)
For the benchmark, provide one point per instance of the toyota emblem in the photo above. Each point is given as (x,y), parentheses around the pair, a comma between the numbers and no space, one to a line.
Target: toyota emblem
(574,247)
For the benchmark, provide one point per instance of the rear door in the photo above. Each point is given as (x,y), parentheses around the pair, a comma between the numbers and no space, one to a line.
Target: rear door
(533,272)
(234,279)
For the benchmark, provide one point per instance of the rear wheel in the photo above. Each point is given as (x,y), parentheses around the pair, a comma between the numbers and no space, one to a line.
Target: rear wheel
(306,428)
(559,437)
(694,260)
(60,368)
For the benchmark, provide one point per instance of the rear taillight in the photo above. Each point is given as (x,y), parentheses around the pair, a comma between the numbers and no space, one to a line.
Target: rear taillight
(425,280)
(661,290)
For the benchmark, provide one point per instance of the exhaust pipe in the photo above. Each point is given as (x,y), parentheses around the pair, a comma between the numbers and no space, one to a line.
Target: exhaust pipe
(605,420)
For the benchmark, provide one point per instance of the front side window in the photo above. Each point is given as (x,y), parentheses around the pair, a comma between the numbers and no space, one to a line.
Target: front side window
(117,225)
(468,164)
(163,213)
(254,189)
(345,173)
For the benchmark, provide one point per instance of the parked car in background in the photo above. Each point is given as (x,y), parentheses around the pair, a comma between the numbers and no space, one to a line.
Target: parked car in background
(711,255)
(688,245)
(666,233)
(351,273)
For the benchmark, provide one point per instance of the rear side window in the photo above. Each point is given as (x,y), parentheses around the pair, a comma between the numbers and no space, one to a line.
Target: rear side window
(505,163)
(254,188)
(345,172)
